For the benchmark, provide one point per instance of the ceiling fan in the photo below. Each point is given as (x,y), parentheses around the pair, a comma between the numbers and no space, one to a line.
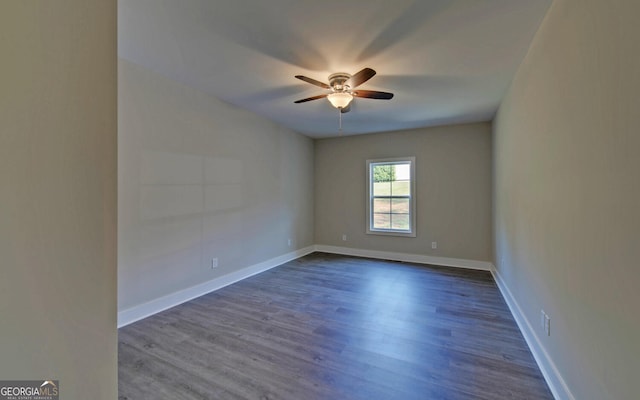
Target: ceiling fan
(341,89)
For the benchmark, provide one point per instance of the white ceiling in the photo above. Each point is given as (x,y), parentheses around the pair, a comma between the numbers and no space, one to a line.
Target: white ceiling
(447,61)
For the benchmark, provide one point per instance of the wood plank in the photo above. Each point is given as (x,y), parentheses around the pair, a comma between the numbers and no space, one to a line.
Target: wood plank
(335,327)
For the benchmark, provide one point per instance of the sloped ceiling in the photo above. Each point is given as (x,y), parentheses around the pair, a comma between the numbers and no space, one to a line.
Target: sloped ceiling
(447,61)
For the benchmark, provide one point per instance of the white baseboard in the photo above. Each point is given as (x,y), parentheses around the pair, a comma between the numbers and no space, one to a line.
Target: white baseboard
(556,383)
(415,258)
(548,368)
(136,313)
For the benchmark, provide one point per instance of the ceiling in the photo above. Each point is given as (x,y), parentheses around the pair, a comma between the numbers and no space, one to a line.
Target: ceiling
(447,61)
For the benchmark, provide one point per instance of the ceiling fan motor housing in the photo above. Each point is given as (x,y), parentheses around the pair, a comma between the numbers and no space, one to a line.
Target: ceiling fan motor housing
(338,81)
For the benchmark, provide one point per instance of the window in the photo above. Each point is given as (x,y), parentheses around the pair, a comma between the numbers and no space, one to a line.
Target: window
(391,203)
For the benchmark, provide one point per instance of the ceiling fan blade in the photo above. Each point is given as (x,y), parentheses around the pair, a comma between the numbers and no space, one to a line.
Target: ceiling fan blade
(361,77)
(320,96)
(313,81)
(372,94)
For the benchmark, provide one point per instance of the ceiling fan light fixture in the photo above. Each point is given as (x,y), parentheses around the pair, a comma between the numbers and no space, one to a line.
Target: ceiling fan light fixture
(340,99)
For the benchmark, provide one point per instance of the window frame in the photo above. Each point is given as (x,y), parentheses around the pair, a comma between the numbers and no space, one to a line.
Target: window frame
(412,197)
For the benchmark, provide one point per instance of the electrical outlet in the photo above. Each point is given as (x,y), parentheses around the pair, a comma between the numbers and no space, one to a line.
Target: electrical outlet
(289,242)
(547,325)
(214,263)
(434,245)
(545,322)
(344,237)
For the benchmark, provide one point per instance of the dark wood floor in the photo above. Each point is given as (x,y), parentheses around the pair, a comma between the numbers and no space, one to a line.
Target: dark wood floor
(335,327)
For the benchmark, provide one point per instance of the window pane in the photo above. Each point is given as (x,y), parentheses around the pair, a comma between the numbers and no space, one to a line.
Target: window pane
(400,206)
(403,172)
(382,206)
(383,173)
(400,221)
(401,188)
(382,188)
(382,221)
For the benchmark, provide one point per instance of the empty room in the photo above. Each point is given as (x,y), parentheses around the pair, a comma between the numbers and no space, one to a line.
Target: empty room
(208,199)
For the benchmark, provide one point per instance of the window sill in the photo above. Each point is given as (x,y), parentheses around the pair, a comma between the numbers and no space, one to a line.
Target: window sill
(390,233)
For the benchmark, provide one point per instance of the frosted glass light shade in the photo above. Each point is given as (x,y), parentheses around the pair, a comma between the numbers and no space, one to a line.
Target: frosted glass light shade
(340,99)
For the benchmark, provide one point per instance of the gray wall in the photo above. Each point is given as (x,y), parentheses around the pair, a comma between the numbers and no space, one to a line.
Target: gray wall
(453,171)
(567,193)
(58,195)
(199,178)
